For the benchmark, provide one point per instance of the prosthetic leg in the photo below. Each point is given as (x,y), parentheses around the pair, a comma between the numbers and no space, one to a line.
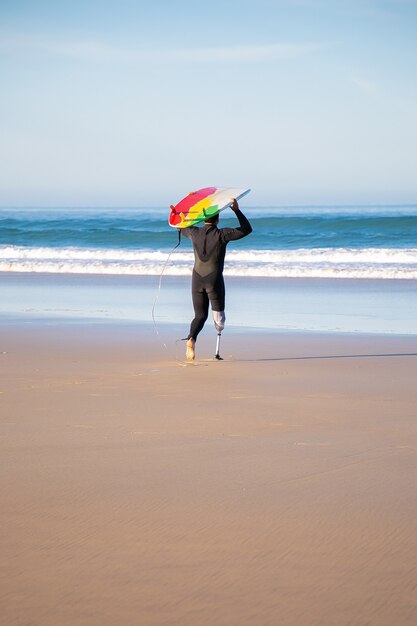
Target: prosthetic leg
(219,318)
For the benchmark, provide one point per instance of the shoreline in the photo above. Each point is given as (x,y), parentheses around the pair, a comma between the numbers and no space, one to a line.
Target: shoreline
(156,277)
(294,304)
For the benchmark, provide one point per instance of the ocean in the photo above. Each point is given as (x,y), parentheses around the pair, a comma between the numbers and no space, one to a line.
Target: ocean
(361,242)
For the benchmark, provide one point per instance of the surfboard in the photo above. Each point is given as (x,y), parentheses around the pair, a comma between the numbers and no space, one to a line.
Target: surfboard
(201,204)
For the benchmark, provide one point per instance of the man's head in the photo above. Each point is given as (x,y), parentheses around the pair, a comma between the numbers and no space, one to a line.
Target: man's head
(214,219)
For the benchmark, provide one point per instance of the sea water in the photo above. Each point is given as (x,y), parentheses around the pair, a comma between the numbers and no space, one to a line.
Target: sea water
(343,269)
(292,242)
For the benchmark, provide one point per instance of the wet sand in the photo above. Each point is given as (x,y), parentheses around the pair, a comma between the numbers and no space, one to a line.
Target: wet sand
(275,487)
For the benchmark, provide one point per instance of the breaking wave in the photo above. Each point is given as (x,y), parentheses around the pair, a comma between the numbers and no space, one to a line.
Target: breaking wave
(375,263)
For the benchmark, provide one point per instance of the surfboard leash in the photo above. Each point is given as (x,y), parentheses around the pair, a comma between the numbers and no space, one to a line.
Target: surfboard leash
(158,294)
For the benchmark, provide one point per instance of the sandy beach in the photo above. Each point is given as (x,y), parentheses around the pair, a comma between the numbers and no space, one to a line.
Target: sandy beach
(275,487)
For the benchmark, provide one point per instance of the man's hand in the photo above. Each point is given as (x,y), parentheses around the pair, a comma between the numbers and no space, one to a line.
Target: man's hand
(234,206)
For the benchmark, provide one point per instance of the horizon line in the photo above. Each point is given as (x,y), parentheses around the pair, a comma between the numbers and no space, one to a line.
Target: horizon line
(250,206)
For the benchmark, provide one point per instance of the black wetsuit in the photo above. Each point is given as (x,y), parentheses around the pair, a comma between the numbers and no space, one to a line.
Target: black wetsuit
(209,243)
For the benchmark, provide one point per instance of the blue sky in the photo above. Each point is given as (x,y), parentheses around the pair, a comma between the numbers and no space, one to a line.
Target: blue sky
(137,103)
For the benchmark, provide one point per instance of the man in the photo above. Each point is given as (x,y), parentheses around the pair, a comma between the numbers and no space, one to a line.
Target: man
(209,243)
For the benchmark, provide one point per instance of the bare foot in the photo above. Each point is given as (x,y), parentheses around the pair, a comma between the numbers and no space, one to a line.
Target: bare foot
(190,354)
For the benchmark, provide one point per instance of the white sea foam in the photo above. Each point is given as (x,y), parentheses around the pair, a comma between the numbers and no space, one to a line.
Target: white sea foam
(379,263)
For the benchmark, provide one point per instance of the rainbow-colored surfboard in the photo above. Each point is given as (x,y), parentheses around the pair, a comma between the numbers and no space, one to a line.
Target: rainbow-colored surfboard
(201,204)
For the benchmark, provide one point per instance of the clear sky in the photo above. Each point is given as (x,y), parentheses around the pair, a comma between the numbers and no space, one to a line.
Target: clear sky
(136,103)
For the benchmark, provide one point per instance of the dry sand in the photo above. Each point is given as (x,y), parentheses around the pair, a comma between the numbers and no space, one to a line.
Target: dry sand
(275,488)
